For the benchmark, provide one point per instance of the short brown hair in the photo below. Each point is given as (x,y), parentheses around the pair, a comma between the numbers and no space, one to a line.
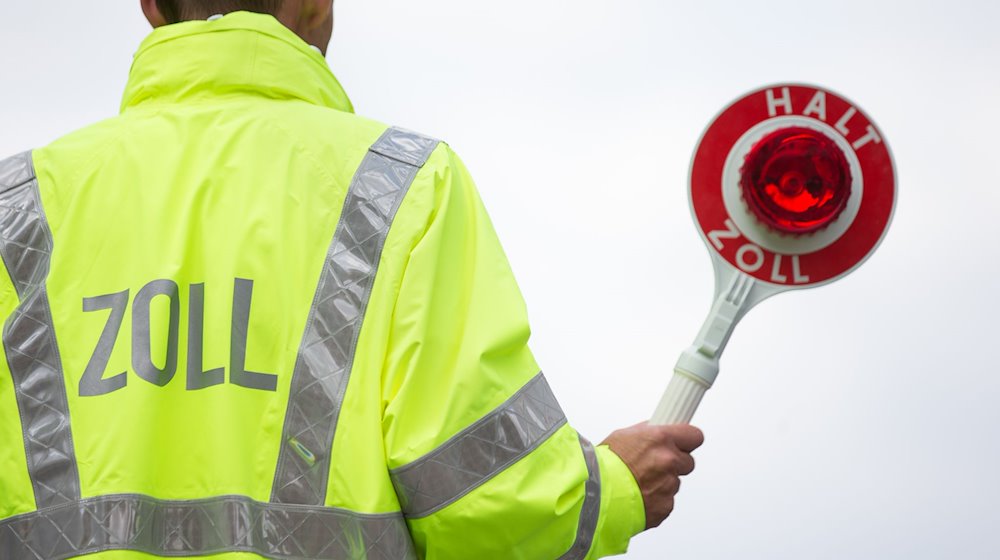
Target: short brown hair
(182,10)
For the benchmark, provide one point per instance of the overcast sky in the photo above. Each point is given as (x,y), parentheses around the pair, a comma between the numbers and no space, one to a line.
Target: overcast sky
(858,420)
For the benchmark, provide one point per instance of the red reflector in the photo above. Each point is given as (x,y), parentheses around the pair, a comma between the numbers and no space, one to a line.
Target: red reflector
(796,180)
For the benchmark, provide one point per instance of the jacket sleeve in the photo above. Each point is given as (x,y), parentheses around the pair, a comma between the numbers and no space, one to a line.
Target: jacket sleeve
(480,454)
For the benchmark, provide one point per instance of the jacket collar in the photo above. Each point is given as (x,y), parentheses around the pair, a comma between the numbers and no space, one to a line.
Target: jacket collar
(240,54)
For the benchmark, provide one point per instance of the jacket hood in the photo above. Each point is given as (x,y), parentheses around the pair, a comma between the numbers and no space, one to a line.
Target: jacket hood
(242,53)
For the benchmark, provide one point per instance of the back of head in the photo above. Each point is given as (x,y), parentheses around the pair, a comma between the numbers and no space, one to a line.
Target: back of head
(182,10)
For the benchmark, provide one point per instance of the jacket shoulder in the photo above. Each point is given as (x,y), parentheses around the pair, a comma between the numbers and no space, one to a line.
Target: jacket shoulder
(334,128)
(79,147)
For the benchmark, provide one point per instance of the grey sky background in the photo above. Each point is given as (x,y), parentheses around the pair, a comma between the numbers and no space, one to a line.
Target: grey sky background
(859,420)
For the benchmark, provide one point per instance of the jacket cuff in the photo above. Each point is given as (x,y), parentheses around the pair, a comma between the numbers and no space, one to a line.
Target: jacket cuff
(622,512)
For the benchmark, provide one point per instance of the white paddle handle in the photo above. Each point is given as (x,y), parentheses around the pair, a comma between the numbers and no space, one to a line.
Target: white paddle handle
(698,365)
(680,400)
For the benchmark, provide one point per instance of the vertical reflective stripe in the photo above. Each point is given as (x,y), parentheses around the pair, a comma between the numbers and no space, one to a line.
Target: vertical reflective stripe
(203,527)
(480,452)
(24,244)
(29,339)
(591,506)
(326,355)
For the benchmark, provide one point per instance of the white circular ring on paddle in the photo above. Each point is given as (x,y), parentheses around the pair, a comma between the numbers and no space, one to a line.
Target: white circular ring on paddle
(751,227)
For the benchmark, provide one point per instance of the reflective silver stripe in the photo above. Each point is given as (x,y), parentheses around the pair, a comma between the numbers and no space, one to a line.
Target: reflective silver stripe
(202,527)
(325,358)
(25,241)
(591,506)
(479,452)
(29,338)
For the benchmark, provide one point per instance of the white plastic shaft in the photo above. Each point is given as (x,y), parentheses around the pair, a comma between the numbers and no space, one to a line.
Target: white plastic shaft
(698,365)
(680,400)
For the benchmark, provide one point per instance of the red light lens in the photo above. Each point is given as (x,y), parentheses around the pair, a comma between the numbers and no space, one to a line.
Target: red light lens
(796,180)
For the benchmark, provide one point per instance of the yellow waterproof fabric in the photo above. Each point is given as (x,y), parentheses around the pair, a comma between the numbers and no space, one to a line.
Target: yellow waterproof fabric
(231,159)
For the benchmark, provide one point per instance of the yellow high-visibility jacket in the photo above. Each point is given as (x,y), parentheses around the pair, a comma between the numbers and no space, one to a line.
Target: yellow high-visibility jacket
(240,320)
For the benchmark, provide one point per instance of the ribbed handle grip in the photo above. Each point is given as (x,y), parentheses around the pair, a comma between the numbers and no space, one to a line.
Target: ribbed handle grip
(680,400)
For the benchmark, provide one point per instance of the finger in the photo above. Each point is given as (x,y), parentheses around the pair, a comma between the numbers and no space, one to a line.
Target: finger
(671,486)
(685,464)
(688,438)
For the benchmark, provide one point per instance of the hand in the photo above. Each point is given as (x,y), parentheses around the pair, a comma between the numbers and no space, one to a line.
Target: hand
(657,456)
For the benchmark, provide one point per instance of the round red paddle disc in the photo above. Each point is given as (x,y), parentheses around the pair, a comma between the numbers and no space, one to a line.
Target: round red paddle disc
(793,185)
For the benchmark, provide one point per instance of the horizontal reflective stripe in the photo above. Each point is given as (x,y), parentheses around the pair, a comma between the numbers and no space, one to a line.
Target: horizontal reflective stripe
(591,509)
(479,452)
(326,354)
(202,527)
(29,339)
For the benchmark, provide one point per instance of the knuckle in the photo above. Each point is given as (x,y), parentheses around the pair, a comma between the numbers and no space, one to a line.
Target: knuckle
(668,461)
(673,485)
(685,464)
(666,433)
